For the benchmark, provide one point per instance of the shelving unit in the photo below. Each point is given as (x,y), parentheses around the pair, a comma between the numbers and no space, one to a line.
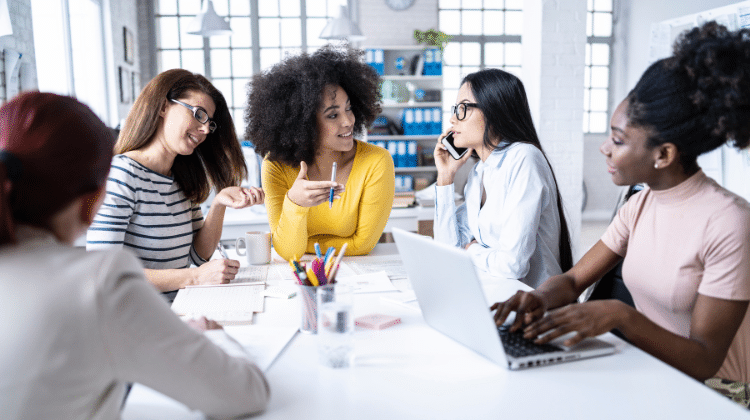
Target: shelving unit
(402,85)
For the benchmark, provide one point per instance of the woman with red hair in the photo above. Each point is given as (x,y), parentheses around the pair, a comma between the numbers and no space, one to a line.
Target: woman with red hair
(78,326)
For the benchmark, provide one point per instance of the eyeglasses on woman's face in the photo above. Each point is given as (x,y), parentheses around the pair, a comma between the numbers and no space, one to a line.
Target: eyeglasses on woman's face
(459,110)
(200,115)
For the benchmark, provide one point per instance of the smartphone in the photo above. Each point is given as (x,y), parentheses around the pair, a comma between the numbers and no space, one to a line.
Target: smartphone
(456,152)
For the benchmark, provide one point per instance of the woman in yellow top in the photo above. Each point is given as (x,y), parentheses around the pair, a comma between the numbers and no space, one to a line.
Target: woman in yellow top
(303,115)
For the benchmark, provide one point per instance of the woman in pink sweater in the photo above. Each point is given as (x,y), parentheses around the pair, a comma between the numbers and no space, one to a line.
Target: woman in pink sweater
(685,240)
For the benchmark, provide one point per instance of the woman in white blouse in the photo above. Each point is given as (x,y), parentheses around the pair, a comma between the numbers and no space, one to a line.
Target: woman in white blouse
(511,221)
(78,326)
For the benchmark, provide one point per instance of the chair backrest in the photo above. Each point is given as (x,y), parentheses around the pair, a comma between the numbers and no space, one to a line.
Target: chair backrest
(611,285)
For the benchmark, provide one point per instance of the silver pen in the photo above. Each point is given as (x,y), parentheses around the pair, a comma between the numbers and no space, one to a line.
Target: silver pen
(221,251)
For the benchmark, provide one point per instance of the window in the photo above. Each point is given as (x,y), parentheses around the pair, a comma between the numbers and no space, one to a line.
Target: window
(596,74)
(485,34)
(68,39)
(263,33)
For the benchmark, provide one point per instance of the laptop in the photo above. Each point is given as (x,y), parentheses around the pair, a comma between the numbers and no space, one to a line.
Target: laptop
(452,300)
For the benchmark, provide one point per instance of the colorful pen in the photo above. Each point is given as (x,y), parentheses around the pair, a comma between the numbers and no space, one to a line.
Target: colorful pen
(317,250)
(311,277)
(294,271)
(333,179)
(329,254)
(335,266)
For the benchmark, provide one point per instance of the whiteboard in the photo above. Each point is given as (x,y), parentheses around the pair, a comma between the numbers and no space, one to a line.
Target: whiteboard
(728,166)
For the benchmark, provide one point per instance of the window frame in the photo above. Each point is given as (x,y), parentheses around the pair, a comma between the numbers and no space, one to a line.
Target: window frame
(609,41)
(482,41)
(255,45)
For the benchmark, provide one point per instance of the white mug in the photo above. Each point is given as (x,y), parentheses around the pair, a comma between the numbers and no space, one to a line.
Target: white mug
(257,247)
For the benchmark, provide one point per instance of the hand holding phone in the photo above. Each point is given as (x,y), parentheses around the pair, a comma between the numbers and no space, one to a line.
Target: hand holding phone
(455,152)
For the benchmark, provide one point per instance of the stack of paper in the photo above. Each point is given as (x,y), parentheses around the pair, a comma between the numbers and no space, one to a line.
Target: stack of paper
(221,304)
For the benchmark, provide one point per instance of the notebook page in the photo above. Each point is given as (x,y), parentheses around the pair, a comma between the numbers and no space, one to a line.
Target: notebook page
(391,264)
(229,304)
(251,274)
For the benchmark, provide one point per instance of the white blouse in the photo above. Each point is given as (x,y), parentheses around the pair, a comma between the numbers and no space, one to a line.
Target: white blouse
(77,326)
(518,228)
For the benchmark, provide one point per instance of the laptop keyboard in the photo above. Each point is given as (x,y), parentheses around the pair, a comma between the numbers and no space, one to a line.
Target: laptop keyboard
(517,346)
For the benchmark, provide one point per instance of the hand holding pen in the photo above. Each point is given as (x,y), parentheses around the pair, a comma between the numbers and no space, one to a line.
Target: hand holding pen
(306,193)
(217,271)
(333,179)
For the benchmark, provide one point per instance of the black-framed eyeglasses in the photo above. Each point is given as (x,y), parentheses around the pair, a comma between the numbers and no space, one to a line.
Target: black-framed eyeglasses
(459,110)
(200,115)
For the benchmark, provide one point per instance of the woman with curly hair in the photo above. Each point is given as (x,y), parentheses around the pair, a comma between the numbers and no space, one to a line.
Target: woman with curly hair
(303,115)
(685,240)
(178,142)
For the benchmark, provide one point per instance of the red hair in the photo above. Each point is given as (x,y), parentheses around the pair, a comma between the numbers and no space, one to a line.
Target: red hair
(61,151)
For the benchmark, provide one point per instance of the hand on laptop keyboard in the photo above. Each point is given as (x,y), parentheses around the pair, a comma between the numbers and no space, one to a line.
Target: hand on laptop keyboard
(517,346)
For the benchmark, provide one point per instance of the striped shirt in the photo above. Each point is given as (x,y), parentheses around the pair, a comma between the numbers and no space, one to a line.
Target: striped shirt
(148,213)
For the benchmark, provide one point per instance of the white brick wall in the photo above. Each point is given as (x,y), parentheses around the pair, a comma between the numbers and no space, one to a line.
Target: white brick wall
(553,75)
(22,40)
(382,26)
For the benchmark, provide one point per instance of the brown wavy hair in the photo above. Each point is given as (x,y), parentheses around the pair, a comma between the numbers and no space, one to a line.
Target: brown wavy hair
(217,162)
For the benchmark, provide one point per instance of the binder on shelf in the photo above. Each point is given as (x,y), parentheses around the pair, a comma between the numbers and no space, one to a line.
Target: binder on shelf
(407,122)
(374,57)
(437,121)
(408,183)
(393,150)
(404,183)
(411,154)
(438,63)
(379,62)
(401,155)
(419,121)
(428,62)
(428,124)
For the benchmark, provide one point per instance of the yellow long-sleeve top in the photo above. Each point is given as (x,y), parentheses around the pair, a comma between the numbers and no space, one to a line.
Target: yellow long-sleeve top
(357,218)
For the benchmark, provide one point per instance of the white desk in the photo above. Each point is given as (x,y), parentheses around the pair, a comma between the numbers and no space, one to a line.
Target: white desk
(410,371)
(237,222)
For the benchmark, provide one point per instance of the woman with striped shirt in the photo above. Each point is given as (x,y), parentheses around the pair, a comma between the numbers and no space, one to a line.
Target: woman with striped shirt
(177,143)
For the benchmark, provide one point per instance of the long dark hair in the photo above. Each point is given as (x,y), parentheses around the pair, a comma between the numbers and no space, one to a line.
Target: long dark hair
(502,99)
(53,149)
(699,98)
(217,162)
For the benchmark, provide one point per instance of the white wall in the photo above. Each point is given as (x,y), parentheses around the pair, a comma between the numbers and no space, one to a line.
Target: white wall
(382,26)
(641,15)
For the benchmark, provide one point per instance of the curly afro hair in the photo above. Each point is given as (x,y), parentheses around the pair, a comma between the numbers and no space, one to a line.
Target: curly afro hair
(699,98)
(283,102)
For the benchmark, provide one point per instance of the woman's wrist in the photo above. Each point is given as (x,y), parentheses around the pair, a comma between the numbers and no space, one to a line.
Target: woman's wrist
(444,179)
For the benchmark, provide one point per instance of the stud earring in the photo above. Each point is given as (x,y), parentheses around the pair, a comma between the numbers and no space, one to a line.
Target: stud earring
(656,166)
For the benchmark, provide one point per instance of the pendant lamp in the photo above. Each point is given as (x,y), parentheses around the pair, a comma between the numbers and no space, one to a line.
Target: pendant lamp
(208,23)
(342,28)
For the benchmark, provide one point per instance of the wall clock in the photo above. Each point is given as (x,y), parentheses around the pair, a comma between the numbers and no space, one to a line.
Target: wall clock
(399,4)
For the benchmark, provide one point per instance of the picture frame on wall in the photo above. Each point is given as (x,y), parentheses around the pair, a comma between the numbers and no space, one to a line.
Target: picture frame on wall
(126,88)
(129,45)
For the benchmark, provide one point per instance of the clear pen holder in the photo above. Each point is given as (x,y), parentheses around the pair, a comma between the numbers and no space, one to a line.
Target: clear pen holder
(308,310)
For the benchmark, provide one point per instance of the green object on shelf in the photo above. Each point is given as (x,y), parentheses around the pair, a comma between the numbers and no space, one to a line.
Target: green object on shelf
(433,38)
